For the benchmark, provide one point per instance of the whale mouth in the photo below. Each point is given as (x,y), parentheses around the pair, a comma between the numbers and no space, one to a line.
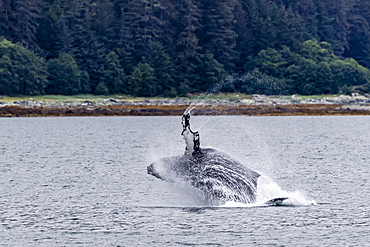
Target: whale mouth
(153,172)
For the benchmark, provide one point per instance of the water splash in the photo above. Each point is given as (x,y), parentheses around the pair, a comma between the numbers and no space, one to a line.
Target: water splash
(268,189)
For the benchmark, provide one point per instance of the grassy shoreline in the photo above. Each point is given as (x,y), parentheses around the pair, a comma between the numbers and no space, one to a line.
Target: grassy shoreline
(121,97)
(222,104)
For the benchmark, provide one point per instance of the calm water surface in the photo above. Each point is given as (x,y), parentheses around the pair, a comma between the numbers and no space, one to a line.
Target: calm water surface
(83,182)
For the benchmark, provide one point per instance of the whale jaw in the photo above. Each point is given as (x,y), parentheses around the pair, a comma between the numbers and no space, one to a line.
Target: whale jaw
(153,172)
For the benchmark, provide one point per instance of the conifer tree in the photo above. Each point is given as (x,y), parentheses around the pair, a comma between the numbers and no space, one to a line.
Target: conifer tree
(63,75)
(219,37)
(141,80)
(101,89)
(307,9)
(333,25)
(21,70)
(188,50)
(103,18)
(113,75)
(68,23)
(5,15)
(210,72)
(27,13)
(288,28)
(145,22)
(161,62)
(359,33)
(258,30)
(48,29)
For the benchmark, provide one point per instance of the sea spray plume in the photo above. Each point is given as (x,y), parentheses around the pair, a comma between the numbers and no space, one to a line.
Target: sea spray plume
(217,175)
(253,82)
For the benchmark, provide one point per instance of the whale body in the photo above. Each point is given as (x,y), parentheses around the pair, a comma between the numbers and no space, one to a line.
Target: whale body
(220,177)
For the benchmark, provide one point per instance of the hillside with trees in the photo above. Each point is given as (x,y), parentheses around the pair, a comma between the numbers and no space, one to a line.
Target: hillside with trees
(174,47)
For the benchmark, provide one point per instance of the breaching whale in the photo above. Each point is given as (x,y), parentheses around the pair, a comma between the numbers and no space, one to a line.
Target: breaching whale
(220,177)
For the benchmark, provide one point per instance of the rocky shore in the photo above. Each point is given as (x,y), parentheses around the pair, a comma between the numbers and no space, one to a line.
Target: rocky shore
(256,105)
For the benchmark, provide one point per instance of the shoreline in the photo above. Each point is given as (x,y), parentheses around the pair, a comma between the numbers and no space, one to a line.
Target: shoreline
(257,105)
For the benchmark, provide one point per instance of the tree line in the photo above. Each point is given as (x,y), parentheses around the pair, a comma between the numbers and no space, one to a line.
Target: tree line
(175,47)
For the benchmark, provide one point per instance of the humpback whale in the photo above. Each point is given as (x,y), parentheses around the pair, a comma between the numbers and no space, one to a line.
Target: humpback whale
(220,177)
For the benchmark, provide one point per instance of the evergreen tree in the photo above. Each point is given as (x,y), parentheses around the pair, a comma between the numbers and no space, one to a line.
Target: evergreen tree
(48,30)
(68,23)
(359,33)
(145,22)
(104,22)
(113,75)
(141,80)
(258,33)
(101,89)
(161,62)
(84,82)
(333,25)
(27,13)
(307,9)
(5,15)
(243,35)
(219,37)
(77,36)
(21,70)
(189,45)
(188,50)
(64,76)
(288,28)
(210,72)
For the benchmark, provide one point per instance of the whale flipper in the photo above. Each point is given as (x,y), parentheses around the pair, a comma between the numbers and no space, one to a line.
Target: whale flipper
(276,201)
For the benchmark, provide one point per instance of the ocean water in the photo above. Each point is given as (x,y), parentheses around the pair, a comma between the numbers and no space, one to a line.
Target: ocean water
(83,182)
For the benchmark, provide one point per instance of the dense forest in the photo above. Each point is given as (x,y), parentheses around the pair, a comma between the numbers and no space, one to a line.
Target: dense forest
(175,47)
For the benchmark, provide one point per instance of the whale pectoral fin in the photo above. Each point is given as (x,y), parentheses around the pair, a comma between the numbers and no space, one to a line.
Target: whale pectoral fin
(191,138)
(276,201)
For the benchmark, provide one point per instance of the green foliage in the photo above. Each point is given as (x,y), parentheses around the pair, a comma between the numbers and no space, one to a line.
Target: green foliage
(175,47)
(219,36)
(64,76)
(84,82)
(161,62)
(26,15)
(346,90)
(21,71)
(141,80)
(113,75)
(210,73)
(101,89)
(314,69)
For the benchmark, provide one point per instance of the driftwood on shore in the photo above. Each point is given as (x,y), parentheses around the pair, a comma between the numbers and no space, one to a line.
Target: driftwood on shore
(258,106)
